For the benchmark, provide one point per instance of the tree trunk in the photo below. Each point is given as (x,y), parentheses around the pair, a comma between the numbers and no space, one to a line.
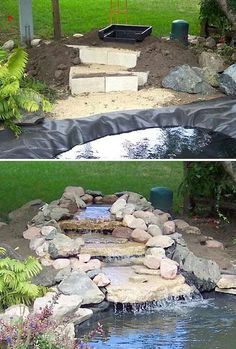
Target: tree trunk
(228,12)
(230,168)
(56,19)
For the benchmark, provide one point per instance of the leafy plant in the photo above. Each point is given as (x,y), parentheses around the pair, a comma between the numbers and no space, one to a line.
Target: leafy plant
(14,99)
(209,180)
(15,284)
(39,87)
(210,10)
(41,331)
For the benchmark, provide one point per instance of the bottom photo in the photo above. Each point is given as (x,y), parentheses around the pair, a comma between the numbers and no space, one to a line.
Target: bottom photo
(121,255)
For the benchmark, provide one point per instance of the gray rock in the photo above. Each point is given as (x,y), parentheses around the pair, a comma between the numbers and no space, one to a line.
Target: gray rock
(10,252)
(210,76)
(58,213)
(139,201)
(210,42)
(39,219)
(64,306)
(118,206)
(63,246)
(185,79)
(36,242)
(20,212)
(82,315)
(62,274)
(46,277)
(92,273)
(78,283)
(16,312)
(213,61)
(35,42)
(202,273)
(8,45)
(162,241)
(46,230)
(54,224)
(228,81)
(94,193)
(154,230)
(98,308)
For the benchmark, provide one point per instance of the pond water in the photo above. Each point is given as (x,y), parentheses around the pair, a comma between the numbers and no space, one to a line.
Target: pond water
(157,143)
(194,324)
(94,212)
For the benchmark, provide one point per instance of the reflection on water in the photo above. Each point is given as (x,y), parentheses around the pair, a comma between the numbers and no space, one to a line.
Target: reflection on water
(157,143)
(94,212)
(209,324)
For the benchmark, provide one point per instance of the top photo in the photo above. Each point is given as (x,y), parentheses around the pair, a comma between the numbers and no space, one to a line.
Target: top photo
(117,79)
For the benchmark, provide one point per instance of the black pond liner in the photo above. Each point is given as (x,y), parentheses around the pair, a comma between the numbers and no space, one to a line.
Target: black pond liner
(53,137)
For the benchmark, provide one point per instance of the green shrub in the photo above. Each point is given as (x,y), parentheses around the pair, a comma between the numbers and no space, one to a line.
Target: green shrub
(209,9)
(15,284)
(15,99)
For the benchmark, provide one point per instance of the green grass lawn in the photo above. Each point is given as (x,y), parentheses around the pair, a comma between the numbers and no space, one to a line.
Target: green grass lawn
(22,181)
(82,16)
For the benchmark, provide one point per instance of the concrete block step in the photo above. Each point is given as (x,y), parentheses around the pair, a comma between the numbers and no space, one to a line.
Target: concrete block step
(107,55)
(102,78)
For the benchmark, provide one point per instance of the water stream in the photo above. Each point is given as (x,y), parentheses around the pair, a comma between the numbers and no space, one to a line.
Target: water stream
(208,323)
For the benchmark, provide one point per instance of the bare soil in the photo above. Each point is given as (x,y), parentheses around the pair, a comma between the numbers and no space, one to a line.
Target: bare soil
(87,104)
(158,56)
(51,62)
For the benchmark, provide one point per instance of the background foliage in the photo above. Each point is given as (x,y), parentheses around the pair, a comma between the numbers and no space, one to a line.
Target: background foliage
(22,181)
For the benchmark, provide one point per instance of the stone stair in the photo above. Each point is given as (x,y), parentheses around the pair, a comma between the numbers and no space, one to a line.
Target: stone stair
(105,69)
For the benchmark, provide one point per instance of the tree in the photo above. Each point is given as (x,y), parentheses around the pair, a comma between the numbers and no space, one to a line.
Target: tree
(229,9)
(56,19)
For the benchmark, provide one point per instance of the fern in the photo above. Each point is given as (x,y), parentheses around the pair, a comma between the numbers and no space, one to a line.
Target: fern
(14,99)
(15,284)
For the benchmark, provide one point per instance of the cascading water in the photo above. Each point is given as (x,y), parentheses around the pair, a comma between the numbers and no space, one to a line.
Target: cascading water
(167,303)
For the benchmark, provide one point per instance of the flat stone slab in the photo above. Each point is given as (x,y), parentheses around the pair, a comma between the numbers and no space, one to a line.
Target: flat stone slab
(128,249)
(227,281)
(107,55)
(98,238)
(226,290)
(89,224)
(153,288)
(104,78)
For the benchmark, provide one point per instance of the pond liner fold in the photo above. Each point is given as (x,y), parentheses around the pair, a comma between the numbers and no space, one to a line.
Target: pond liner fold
(50,138)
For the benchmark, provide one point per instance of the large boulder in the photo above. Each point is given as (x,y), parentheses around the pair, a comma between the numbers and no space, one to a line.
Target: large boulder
(139,201)
(185,79)
(202,273)
(118,206)
(16,312)
(63,306)
(78,283)
(47,277)
(228,81)
(213,61)
(63,246)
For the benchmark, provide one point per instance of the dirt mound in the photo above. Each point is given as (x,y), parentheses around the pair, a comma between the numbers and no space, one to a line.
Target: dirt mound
(51,62)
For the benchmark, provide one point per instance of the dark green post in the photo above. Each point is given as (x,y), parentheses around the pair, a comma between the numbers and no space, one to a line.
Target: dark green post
(179,31)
